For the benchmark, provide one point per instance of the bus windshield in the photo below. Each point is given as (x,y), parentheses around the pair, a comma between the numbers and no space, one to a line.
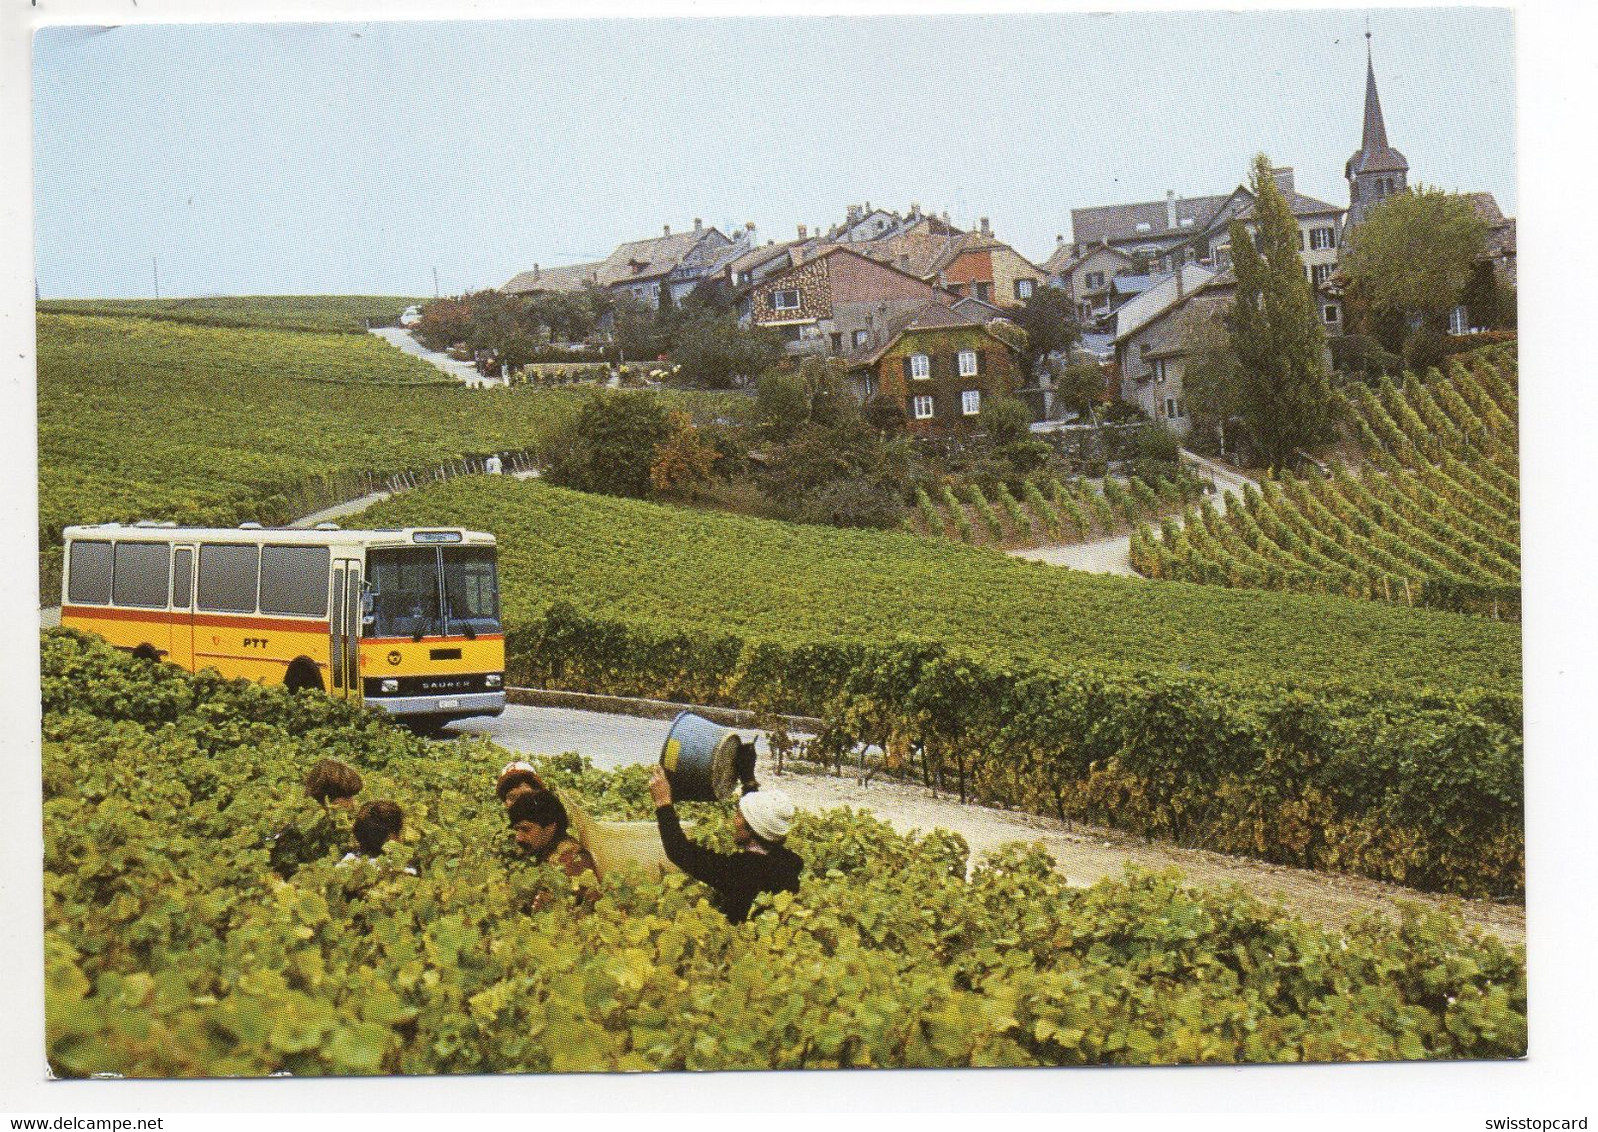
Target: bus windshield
(405,592)
(433,591)
(471,590)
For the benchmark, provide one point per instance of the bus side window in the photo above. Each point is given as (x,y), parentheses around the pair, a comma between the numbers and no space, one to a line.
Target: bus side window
(140,578)
(228,575)
(89,573)
(294,580)
(182,571)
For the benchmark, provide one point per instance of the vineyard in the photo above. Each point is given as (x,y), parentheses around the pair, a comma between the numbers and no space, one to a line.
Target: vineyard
(173,947)
(141,418)
(1431,518)
(331,314)
(1048,510)
(1311,731)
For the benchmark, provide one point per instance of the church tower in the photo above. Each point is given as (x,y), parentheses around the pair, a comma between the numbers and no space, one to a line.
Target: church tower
(1377,170)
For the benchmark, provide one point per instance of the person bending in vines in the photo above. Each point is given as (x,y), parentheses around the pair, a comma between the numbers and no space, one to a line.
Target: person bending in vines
(318,833)
(763,862)
(376,824)
(539,825)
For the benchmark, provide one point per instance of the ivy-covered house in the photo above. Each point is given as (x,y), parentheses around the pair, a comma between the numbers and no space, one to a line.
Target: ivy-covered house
(937,363)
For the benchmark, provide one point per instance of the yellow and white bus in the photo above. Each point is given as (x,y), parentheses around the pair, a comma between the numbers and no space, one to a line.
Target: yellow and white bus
(404,620)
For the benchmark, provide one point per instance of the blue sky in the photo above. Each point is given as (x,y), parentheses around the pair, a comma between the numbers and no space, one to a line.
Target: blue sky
(311,158)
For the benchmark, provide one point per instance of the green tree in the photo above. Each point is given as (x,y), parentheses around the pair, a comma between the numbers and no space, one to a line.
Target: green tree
(1049,318)
(609,444)
(1284,394)
(826,383)
(1078,387)
(782,406)
(1211,383)
(830,472)
(715,352)
(1413,256)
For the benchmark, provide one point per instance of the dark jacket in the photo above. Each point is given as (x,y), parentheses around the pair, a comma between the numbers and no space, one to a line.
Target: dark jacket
(736,878)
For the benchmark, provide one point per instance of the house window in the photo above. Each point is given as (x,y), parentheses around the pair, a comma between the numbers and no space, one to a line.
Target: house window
(968,363)
(983,291)
(1095,280)
(1301,239)
(1023,288)
(1321,273)
(1331,314)
(1458,321)
(921,367)
(785,300)
(1172,410)
(1320,238)
(837,341)
(1159,372)
(860,337)
(921,408)
(971,402)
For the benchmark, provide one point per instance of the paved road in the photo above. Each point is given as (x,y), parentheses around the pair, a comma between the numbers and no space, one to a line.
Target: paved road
(401,339)
(609,741)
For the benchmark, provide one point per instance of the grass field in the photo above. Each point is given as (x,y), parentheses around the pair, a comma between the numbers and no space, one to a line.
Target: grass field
(344,314)
(769,580)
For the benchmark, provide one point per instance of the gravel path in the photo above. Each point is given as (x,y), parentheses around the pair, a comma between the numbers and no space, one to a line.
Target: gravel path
(401,339)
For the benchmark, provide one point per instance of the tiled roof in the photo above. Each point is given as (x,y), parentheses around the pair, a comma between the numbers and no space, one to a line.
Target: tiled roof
(653,258)
(934,314)
(1157,299)
(572,278)
(1120,221)
(1298,203)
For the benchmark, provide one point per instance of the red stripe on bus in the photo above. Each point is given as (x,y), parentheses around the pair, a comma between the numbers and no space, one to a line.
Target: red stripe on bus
(199,620)
(408,640)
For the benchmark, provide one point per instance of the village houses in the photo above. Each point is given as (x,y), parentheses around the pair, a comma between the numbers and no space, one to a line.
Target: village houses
(906,298)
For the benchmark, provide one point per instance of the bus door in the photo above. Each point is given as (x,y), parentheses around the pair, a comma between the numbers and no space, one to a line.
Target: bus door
(344,656)
(180,649)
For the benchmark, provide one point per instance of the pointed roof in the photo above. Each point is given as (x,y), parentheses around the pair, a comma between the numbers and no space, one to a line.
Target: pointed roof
(1375,155)
(934,314)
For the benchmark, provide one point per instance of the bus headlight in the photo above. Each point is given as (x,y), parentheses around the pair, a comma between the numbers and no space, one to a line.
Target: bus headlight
(494,680)
(390,686)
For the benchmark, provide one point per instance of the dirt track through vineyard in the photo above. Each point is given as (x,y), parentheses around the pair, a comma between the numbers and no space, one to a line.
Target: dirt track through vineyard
(1085,854)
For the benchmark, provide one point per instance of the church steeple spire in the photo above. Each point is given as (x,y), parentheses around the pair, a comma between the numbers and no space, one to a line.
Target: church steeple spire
(1377,170)
(1375,135)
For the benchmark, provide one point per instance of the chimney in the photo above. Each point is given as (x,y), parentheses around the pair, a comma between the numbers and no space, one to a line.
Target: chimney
(667,227)
(987,230)
(535,271)
(1170,208)
(1283,178)
(915,208)
(804,233)
(1059,238)
(749,234)
(854,213)
(1181,288)
(698,225)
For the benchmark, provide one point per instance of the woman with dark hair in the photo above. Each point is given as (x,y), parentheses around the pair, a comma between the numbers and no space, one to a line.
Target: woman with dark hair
(318,833)
(540,826)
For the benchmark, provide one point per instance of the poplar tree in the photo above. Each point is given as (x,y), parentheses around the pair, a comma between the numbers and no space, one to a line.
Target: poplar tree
(1283,395)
